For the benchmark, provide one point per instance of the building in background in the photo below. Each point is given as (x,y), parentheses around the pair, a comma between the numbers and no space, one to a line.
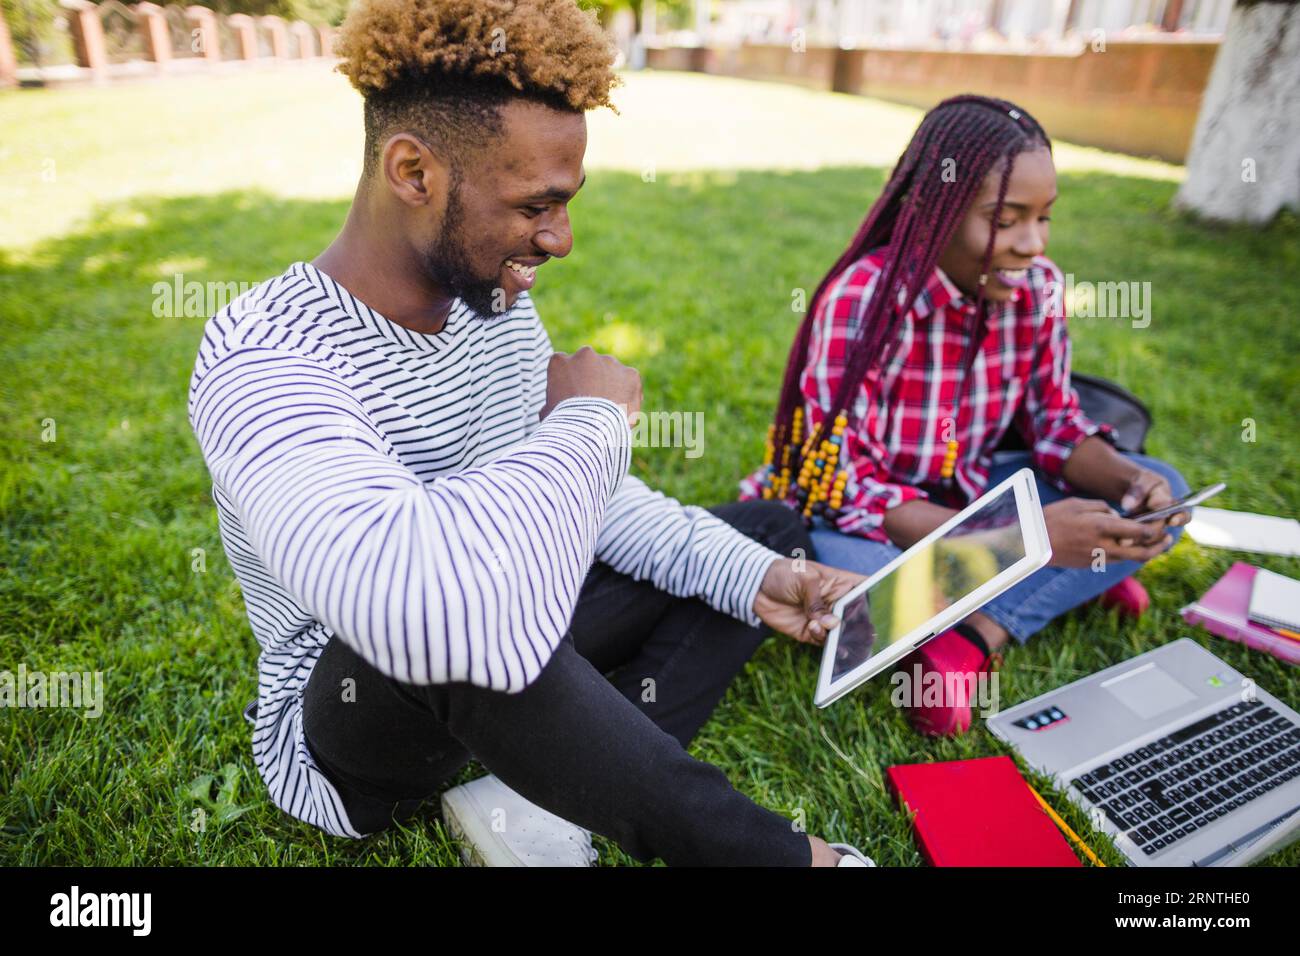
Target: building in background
(961,24)
(1126,75)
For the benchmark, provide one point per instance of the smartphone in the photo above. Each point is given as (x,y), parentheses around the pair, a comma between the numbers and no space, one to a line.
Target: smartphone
(1182,504)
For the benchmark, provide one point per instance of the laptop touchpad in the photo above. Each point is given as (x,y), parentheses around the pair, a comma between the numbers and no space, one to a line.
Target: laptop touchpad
(1148,690)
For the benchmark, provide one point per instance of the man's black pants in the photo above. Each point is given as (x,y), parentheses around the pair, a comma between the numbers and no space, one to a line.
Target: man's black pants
(606,753)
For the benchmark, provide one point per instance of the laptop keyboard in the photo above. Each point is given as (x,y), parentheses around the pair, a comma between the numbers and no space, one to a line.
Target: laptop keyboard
(1170,788)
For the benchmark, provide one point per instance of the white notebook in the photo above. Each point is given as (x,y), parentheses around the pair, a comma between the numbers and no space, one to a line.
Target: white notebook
(1275,600)
(1243,531)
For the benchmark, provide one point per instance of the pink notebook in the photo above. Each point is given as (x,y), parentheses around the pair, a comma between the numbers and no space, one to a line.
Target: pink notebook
(1222,610)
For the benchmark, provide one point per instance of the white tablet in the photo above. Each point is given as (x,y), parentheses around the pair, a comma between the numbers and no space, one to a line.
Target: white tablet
(997,541)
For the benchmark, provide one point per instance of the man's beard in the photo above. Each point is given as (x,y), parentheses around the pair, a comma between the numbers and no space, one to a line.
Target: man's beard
(447,263)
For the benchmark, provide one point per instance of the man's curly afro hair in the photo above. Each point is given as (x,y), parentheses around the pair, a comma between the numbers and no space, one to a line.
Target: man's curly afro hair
(442,68)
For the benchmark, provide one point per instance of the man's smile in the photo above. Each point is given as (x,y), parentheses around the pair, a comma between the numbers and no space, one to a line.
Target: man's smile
(525,270)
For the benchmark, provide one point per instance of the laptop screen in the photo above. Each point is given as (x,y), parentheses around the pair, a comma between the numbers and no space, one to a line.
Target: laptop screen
(969,555)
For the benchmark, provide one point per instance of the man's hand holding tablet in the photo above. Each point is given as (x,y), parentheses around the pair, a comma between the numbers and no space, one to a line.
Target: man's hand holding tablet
(796,598)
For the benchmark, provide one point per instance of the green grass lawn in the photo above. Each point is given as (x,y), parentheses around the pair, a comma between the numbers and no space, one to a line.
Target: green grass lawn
(688,276)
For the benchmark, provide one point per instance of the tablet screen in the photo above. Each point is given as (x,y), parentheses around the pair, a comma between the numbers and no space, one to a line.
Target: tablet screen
(967,556)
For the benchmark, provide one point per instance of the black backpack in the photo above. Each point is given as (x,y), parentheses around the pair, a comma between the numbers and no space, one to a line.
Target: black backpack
(1102,401)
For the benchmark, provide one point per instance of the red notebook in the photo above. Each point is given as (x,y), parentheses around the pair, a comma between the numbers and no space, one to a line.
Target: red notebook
(978,813)
(1224,610)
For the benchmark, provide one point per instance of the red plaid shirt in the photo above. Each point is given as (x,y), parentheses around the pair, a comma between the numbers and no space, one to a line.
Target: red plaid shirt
(896,440)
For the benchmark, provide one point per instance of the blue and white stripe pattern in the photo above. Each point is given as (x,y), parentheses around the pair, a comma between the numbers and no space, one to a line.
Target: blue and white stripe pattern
(398,491)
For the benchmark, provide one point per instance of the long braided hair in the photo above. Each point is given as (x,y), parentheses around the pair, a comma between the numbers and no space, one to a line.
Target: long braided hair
(936,179)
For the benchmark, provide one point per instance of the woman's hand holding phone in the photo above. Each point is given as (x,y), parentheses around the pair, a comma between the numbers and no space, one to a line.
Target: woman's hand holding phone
(1079,527)
(1149,491)
(1180,512)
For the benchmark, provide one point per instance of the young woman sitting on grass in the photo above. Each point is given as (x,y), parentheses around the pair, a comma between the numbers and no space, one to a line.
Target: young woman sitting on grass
(940,329)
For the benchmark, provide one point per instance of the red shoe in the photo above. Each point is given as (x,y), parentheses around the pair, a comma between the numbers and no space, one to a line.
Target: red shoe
(948,653)
(1129,597)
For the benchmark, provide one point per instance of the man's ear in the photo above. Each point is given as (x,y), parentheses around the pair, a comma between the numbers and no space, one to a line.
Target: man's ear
(413,173)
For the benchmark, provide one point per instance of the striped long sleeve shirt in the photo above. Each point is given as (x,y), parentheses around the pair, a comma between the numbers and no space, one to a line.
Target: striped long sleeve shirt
(397,491)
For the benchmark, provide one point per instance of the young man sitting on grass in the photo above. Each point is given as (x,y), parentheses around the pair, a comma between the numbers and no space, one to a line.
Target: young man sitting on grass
(427,508)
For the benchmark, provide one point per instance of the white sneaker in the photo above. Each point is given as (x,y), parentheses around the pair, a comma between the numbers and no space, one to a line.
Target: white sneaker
(852,856)
(497,827)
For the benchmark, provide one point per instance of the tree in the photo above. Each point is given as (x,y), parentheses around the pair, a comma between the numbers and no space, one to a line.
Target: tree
(32,25)
(605,9)
(1244,164)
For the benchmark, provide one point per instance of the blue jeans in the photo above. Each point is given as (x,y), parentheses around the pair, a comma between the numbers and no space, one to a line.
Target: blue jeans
(1026,608)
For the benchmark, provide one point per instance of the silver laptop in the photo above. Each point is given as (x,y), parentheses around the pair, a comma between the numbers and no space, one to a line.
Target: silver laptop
(1181,759)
